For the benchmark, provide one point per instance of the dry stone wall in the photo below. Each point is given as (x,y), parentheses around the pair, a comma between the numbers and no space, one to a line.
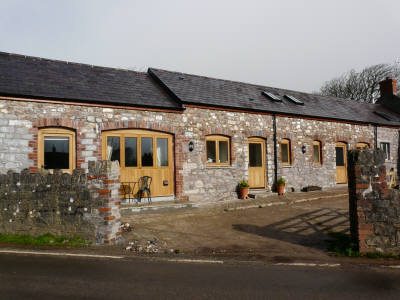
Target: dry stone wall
(194,180)
(85,205)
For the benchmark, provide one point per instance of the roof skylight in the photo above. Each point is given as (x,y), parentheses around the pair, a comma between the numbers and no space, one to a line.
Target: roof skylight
(294,100)
(272,96)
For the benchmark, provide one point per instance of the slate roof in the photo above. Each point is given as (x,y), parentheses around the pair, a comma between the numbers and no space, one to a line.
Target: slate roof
(200,90)
(392,102)
(59,80)
(26,76)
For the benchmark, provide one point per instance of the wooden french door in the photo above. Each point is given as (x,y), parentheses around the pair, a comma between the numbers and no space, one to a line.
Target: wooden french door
(257,169)
(341,162)
(142,153)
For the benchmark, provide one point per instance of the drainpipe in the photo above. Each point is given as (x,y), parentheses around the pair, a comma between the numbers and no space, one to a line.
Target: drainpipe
(398,155)
(376,136)
(275,152)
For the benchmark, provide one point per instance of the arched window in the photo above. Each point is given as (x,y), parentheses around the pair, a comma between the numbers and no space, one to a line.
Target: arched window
(362,145)
(317,152)
(56,149)
(286,152)
(218,150)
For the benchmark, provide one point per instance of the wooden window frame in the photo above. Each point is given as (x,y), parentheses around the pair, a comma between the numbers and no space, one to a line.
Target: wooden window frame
(61,132)
(362,145)
(319,144)
(289,162)
(217,139)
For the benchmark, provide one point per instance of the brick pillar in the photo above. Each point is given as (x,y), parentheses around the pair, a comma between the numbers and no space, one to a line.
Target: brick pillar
(367,185)
(103,184)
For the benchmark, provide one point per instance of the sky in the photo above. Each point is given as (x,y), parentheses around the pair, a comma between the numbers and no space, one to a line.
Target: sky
(292,44)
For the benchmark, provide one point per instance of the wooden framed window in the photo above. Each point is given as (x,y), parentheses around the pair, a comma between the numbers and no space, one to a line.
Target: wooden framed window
(317,152)
(286,155)
(56,149)
(362,145)
(218,150)
(386,148)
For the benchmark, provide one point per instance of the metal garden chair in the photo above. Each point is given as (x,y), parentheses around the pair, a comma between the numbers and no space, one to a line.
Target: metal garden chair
(144,188)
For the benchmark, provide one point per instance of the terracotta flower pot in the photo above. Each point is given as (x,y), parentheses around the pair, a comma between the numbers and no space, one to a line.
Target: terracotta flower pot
(243,193)
(281,189)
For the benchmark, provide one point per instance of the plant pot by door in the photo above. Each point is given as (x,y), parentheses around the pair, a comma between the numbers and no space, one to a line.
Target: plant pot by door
(281,189)
(244,193)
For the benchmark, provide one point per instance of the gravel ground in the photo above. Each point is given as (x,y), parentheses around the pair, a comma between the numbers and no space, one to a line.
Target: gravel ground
(262,229)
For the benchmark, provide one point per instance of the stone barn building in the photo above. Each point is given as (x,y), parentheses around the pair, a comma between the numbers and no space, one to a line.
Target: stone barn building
(196,136)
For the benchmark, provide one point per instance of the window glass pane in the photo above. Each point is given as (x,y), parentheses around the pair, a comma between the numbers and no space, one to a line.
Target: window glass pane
(255,155)
(162,152)
(211,155)
(316,153)
(147,151)
(285,153)
(130,152)
(56,152)
(339,156)
(113,148)
(223,151)
(386,148)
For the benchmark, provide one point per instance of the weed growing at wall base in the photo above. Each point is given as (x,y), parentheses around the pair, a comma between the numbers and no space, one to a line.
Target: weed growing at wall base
(340,244)
(43,240)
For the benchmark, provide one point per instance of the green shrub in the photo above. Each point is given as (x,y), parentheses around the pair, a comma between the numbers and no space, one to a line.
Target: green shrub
(281,181)
(243,184)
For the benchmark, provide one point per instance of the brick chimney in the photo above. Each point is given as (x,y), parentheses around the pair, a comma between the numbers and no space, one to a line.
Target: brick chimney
(388,87)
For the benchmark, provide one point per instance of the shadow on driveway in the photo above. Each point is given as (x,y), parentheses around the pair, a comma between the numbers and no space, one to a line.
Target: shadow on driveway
(309,229)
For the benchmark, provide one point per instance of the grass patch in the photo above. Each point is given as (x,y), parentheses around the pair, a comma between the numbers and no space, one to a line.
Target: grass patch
(43,240)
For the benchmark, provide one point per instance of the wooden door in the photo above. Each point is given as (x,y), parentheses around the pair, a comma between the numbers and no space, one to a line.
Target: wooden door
(257,168)
(142,153)
(341,163)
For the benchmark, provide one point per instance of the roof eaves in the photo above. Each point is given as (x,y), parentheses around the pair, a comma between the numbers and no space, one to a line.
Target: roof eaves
(87,101)
(272,112)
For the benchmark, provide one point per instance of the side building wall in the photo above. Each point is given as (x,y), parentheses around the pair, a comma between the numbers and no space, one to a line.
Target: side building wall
(391,136)
(194,180)
(302,132)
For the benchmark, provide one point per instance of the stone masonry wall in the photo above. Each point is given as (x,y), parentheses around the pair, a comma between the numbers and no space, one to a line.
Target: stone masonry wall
(63,204)
(374,209)
(194,180)
(303,171)
(390,135)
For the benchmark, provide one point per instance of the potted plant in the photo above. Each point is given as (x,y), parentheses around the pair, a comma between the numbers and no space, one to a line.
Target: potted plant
(243,187)
(280,185)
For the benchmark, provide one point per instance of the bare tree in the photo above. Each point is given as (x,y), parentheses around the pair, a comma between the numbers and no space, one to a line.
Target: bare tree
(362,86)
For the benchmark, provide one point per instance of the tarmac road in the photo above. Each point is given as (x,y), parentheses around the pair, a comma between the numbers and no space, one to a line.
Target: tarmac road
(44,277)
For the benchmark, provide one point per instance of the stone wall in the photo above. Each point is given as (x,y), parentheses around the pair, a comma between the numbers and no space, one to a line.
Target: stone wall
(103,184)
(194,180)
(62,204)
(374,209)
(303,171)
(390,135)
